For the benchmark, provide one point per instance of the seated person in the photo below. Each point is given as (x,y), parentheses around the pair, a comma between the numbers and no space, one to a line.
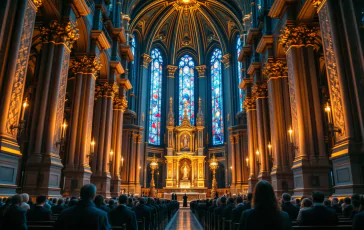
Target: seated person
(100,204)
(14,216)
(123,215)
(305,204)
(227,211)
(221,205)
(358,220)
(347,207)
(59,207)
(288,207)
(236,212)
(335,205)
(143,211)
(318,214)
(39,213)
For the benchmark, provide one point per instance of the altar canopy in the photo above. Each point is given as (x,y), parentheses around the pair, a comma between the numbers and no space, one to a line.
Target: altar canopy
(185,158)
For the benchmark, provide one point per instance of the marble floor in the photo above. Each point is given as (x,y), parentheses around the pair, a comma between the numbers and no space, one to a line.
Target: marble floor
(184,220)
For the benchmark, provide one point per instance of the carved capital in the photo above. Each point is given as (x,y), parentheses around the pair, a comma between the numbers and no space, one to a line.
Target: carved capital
(201,69)
(300,35)
(316,3)
(249,104)
(277,69)
(37,3)
(109,89)
(57,33)
(120,104)
(171,70)
(86,65)
(232,139)
(98,92)
(146,60)
(226,60)
(260,90)
(137,138)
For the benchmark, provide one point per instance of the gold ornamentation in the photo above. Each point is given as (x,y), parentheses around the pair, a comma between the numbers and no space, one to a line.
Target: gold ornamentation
(58,33)
(201,69)
(316,3)
(171,69)
(137,137)
(249,104)
(120,104)
(170,121)
(87,65)
(276,69)
(260,90)
(232,139)
(98,92)
(37,3)
(146,60)
(226,60)
(300,35)
(109,89)
(200,120)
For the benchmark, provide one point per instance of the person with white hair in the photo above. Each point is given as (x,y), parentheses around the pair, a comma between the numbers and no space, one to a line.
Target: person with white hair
(24,205)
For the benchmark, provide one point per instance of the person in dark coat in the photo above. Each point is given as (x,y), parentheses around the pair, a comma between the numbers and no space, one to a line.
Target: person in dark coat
(143,211)
(227,211)
(100,204)
(14,216)
(238,210)
(358,221)
(248,202)
(175,197)
(347,207)
(39,213)
(59,207)
(318,215)
(288,207)
(123,215)
(185,200)
(336,205)
(3,208)
(221,205)
(85,214)
(265,213)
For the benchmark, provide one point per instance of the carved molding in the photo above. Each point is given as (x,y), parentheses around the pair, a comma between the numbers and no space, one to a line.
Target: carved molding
(109,89)
(57,33)
(82,7)
(146,60)
(86,65)
(277,69)
(249,104)
(260,90)
(37,4)
(298,36)
(201,69)
(137,137)
(316,3)
(102,41)
(120,104)
(226,60)
(171,70)
(98,92)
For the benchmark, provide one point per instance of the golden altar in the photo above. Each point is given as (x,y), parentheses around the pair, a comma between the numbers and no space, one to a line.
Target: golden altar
(185,153)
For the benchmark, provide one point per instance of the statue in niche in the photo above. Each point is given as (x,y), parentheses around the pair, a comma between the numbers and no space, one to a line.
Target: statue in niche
(185,142)
(185,171)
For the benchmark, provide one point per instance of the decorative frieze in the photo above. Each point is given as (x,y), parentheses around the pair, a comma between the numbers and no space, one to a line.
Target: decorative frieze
(58,33)
(146,60)
(86,65)
(201,69)
(226,60)
(277,69)
(300,35)
(171,70)
(249,104)
(260,90)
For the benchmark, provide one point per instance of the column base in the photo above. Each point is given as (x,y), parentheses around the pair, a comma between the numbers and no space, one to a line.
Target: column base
(347,170)
(251,184)
(282,182)
(102,184)
(74,179)
(9,165)
(309,178)
(115,187)
(43,177)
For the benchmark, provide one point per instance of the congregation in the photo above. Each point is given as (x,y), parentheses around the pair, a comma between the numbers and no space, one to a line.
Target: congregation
(261,210)
(89,211)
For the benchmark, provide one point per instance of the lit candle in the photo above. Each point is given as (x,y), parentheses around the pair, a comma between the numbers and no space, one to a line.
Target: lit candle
(290,131)
(269,149)
(93,146)
(64,127)
(328,112)
(111,153)
(247,161)
(25,104)
(122,161)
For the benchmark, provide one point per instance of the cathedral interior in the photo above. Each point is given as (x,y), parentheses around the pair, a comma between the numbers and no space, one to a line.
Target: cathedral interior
(153,97)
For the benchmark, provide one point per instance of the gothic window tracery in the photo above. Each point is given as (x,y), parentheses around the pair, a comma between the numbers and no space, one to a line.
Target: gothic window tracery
(217,99)
(155,97)
(240,74)
(186,88)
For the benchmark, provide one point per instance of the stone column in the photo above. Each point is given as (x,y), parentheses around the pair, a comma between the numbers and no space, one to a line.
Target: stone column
(78,171)
(250,107)
(43,167)
(101,176)
(234,161)
(280,114)
(12,92)
(310,167)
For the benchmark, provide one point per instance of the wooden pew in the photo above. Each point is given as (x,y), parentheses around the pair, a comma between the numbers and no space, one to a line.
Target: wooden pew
(141,224)
(339,227)
(40,225)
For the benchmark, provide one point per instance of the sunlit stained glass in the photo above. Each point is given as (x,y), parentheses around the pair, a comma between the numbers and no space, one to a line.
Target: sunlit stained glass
(133,46)
(217,101)
(186,87)
(240,74)
(155,97)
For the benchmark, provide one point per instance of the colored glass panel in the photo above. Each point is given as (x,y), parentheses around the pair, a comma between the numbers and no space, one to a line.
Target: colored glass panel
(240,74)
(187,87)
(217,100)
(155,97)
(133,47)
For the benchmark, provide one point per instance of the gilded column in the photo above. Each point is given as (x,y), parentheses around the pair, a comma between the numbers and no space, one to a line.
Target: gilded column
(308,134)
(12,90)
(234,160)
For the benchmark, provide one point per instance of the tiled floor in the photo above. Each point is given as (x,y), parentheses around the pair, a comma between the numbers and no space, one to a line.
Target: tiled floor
(184,220)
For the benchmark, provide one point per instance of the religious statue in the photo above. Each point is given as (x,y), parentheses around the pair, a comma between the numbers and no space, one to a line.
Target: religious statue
(185,142)
(185,171)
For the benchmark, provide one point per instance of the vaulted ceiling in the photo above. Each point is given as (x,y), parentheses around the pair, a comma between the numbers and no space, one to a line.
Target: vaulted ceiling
(178,25)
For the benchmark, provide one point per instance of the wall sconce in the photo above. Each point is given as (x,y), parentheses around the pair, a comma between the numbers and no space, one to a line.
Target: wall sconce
(258,162)
(20,127)
(61,143)
(110,162)
(247,162)
(92,151)
(293,146)
(332,128)
(270,154)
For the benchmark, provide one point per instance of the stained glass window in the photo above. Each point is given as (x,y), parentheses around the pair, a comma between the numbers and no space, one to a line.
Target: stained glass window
(186,87)
(217,101)
(240,74)
(155,97)
(133,46)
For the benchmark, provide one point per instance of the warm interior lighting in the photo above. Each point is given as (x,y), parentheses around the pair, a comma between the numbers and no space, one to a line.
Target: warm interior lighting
(269,146)
(257,152)
(25,104)
(186,1)
(290,131)
(111,152)
(93,143)
(140,167)
(231,167)
(327,108)
(64,125)
(247,160)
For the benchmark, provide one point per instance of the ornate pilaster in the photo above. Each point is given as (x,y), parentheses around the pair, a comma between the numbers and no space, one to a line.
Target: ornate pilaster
(171,70)
(170,128)
(298,36)
(200,125)
(201,69)
(146,59)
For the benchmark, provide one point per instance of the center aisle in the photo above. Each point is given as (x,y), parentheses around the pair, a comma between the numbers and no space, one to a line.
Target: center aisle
(184,220)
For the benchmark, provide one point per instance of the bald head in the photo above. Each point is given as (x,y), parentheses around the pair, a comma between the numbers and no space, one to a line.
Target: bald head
(88,192)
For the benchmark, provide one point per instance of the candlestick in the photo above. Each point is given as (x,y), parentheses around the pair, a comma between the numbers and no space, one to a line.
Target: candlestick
(25,104)
(64,127)
(93,146)
(290,131)
(328,112)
